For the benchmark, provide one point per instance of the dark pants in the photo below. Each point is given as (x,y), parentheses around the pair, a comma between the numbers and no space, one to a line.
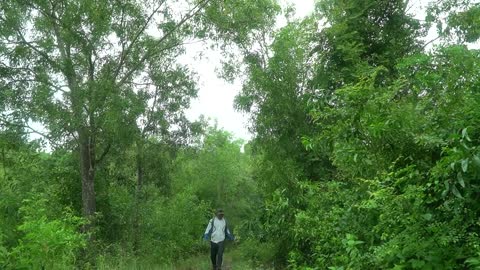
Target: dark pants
(216,254)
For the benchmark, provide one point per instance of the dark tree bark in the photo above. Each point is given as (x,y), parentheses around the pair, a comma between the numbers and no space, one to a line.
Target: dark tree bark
(87,169)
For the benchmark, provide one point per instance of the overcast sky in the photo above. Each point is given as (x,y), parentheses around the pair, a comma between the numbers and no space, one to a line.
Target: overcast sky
(215,97)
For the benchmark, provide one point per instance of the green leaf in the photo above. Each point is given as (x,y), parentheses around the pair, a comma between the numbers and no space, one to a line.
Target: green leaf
(475,261)
(452,165)
(447,189)
(476,160)
(465,165)
(460,179)
(417,264)
(427,216)
(456,192)
(465,135)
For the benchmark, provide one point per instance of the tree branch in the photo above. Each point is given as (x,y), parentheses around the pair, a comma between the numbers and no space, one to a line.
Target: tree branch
(148,54)
(58,88)
(129,48)
(430,42)
(45,56)
(104,153)
(6,122)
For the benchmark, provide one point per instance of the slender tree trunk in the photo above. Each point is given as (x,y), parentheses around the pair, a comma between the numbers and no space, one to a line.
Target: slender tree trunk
(4,164)
(87,169)
(138,196)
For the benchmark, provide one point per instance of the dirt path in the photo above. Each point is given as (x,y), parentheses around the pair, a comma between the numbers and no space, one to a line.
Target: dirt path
(227,264)
(202,262)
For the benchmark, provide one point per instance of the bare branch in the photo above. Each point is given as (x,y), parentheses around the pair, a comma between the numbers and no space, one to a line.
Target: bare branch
(44,55)
(148,54)
(30,129)
(33,130)
(430,42)
(139,84)
(150,112)
(56,87)
(129,48)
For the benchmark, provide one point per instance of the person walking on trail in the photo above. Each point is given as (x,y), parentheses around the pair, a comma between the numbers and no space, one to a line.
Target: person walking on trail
(217,231)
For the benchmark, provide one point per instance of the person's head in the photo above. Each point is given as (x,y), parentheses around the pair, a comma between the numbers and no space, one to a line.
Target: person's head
(220,213)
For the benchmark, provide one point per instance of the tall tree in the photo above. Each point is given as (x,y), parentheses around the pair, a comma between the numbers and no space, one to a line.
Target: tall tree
(308,61)
(76,64)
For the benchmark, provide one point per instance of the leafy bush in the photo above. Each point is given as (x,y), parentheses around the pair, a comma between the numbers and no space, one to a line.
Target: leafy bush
(3,252)
(173,227)
(257,253)
(47,243)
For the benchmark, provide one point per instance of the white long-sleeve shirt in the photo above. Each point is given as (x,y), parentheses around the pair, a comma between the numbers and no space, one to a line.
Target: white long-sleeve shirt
(218,232)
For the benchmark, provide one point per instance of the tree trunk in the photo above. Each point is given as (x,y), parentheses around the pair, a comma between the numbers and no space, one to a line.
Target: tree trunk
(138,197)
(87,169)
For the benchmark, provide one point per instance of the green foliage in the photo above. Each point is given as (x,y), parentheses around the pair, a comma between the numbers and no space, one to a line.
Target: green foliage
(170,228)
(174,227)
(46,242)
(418,157)
(3,252)
(456,21)
(474,262)
(235,21)
(257,253)
(217,172)
(164,221)
(467,23)
(394,130)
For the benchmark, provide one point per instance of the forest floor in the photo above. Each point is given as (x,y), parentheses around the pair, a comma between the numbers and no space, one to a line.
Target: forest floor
(232,261)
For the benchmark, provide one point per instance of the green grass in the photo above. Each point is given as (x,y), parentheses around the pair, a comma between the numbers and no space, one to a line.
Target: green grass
(232,261)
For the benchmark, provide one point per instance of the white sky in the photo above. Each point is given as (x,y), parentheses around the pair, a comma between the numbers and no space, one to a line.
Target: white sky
(215,96)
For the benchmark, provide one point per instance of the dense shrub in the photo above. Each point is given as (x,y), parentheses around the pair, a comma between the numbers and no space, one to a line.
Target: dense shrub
(46,243)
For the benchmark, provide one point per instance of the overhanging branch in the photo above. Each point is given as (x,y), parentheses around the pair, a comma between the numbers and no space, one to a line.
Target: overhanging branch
(151,53)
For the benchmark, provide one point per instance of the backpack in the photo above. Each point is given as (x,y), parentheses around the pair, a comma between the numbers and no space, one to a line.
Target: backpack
(226,231)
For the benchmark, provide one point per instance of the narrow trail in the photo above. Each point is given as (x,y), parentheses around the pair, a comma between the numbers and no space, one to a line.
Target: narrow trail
(202,262)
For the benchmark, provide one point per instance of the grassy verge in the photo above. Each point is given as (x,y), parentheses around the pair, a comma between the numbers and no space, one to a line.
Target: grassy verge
(233,260)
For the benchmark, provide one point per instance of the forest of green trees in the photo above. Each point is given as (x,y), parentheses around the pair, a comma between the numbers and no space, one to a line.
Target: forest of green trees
(365,118)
